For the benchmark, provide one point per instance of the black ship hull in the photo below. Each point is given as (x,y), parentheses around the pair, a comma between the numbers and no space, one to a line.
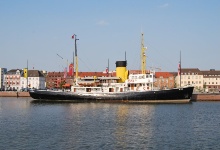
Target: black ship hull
(177,95)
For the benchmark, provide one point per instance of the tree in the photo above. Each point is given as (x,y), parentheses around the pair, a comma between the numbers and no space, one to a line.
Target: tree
(204,86)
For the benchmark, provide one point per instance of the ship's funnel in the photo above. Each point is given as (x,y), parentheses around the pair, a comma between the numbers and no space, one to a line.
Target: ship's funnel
(121,71)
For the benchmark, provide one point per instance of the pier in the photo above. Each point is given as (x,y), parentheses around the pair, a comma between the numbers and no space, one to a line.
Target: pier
(14,94)
(206,97)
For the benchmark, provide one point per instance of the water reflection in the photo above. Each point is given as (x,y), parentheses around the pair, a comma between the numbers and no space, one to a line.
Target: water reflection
(27,124)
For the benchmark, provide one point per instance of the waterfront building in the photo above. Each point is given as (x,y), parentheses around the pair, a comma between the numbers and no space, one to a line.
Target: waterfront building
(211,80)
(164,80)
(35,80)
(12,79)
(3,71)
(54,80)
(203,81)
(191,76)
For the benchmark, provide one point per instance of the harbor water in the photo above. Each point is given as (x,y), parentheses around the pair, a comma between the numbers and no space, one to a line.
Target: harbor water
(27,124)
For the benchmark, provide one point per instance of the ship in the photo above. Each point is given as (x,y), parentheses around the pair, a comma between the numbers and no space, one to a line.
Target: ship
(125,87)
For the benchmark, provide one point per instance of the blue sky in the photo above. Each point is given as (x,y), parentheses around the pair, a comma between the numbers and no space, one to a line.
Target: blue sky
(39,30)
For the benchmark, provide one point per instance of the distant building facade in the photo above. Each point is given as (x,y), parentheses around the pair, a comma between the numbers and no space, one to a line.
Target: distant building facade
(55,80)
(164,80)
(191,76)
(207,80)
(3,71)
(12,79)
(211,80)
(35,80)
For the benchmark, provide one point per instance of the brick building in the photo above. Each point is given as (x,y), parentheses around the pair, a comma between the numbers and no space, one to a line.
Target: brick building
(59,80)
(164,80)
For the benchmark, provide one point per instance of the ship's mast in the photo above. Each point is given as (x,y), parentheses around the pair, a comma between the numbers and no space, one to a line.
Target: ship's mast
(76,58)
(27,74)
(143,55)
(180,69)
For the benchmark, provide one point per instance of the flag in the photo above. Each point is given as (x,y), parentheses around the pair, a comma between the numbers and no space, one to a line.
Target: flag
(72,36)
(25,73)
(179,69)
(70,70)
(106,70)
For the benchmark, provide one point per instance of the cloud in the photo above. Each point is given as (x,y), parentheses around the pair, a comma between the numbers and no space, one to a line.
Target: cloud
(164,5)
(102,23)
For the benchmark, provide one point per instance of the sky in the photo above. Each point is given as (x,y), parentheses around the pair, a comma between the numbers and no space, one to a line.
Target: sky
(39,32)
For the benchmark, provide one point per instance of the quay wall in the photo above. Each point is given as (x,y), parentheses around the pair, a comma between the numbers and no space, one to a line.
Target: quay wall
(14,94)
(206,97)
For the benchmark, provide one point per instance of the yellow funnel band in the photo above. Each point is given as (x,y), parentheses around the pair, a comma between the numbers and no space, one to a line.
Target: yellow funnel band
(121,73)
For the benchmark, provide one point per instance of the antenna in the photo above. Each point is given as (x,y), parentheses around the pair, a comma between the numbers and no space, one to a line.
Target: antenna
(108,68)
(125,56)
